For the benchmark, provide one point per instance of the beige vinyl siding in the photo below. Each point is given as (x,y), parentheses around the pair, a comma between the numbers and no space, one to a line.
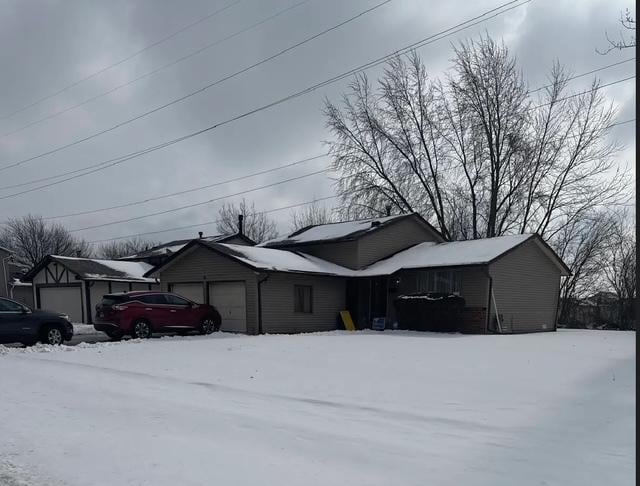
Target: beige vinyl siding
(526,285)
(278,314)
(97,290)
(374,246)
(202,265)
(391,239)
(343,253)
(236,240)
(119,287)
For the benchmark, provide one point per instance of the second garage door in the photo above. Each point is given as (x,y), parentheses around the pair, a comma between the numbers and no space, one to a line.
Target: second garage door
(230,300)
(191,291)
(67,300)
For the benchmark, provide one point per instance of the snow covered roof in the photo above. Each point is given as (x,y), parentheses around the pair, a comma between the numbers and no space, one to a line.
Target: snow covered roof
(452,254)
(175,246)
(422,255)
(279,260)
(95,269)
(332,232)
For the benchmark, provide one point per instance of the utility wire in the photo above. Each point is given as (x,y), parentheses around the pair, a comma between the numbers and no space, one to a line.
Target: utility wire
(76,171)
(187,191)
(202,203)
(195,225)
(157,70)
(593,71)
(430,39)
(120,160)
(188,206)
(123,60)
(198,91)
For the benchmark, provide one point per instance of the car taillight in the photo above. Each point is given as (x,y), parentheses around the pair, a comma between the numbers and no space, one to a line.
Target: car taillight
(119,307)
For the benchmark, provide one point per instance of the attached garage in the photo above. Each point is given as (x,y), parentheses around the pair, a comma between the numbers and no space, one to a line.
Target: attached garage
(74,286)
(257,290)
(191,291)
(231,301)
(65,299)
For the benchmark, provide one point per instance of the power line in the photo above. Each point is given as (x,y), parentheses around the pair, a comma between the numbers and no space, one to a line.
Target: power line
(123,60)
(202,203)
(124,158)
(187,191)
(606,85)
(593,71)
(76,171)
(198,91)
(428,40)
(157,70)
(188,206)
(195,225)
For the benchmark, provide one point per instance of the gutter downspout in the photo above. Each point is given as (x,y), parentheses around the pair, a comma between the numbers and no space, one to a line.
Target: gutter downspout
(489,302)
(260,282)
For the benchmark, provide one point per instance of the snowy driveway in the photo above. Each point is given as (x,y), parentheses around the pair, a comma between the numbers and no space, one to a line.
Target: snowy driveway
(331,408)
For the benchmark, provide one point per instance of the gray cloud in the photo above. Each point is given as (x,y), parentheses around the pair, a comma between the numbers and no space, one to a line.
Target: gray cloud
(55,42)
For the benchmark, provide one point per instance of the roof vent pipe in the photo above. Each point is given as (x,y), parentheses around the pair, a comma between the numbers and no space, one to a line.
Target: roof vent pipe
(200,234)
(240,224)
(387,209)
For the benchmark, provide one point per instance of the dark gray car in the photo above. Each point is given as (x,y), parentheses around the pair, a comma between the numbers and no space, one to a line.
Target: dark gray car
(19,324)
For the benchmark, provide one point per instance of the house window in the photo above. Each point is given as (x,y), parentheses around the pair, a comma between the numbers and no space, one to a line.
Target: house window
(302,298)
(441,281)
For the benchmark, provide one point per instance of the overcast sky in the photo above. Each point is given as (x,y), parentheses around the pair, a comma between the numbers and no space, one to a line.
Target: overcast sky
(48,45)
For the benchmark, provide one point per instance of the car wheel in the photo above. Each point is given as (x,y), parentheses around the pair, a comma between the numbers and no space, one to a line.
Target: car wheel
(141,329)
(208,326)
(52,335)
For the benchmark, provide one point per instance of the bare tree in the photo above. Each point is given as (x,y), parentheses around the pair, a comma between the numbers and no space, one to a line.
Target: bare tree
(477,154)
(257,225)
(32,238)
(311,214)
(117,249)
(619,268)
(582,244)
(628,22)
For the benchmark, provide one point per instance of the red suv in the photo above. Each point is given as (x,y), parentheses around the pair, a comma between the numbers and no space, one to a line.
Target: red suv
(142,313)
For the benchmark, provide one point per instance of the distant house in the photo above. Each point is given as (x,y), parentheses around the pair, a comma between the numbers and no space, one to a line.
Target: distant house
(158,254)
(75,285)
(301,282)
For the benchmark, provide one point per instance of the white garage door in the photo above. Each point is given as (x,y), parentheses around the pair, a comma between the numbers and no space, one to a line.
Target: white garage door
(191,291)
(67,300)
(230,300)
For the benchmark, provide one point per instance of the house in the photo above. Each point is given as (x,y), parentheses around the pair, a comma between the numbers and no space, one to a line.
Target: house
(75,285)
(158,254)
(11,285)
(300,282)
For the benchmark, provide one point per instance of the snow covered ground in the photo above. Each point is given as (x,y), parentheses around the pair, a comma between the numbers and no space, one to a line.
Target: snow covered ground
(322,409)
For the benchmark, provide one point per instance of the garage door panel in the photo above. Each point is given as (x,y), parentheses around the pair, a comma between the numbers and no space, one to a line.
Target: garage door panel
(67,300)
(191,291)
(230,300)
